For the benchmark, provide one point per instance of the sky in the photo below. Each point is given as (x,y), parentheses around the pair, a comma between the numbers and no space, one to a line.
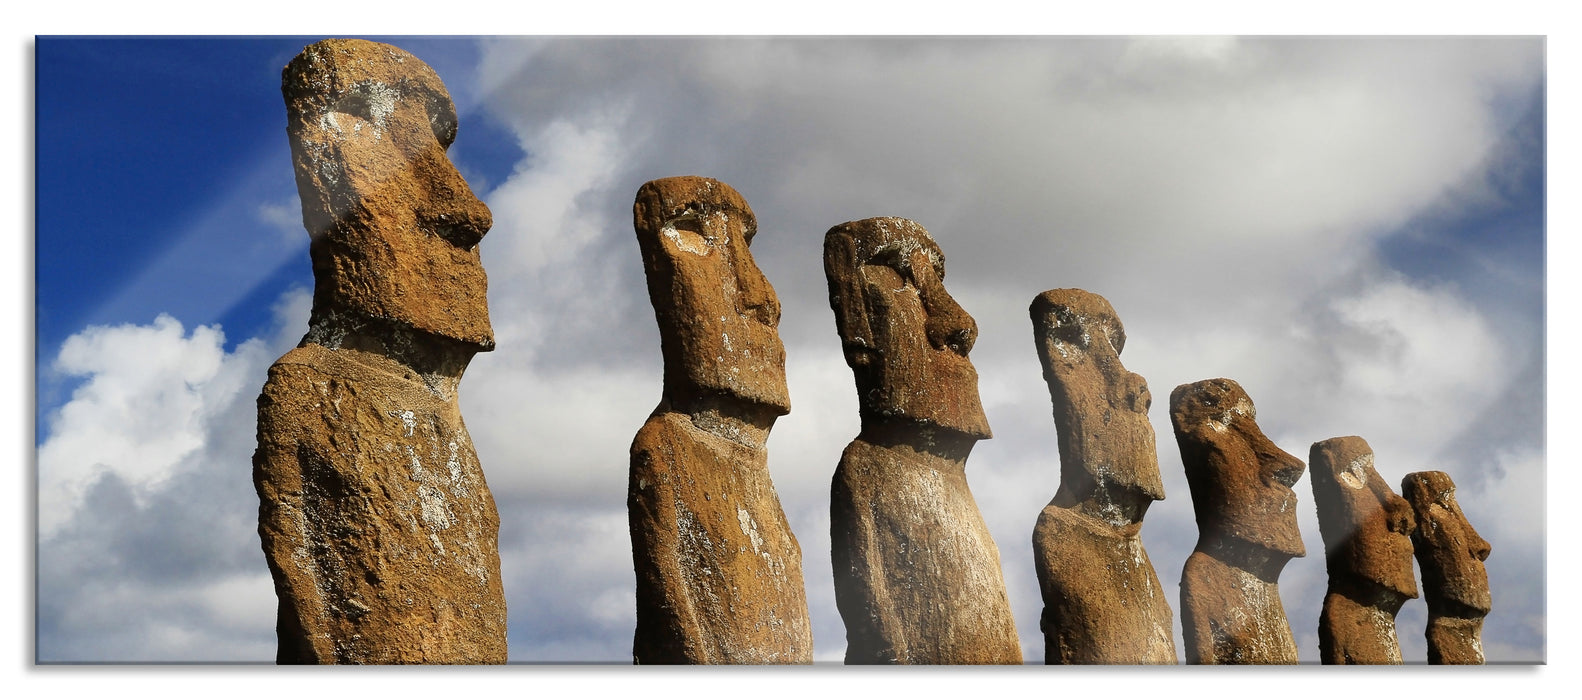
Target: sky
(1353,229)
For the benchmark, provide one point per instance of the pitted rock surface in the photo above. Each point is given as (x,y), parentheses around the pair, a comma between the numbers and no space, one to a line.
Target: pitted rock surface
(719,573)
(1102,600)
(917,575)
(1246,513)
(377,524)
(1450,555)
(1368,551)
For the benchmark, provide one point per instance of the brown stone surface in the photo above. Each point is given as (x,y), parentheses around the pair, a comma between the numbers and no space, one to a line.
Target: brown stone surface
(1102,600)
(377,524)
(1368,551)
(395,228)
(719,573)
(917,575)
(1246,513)
(1450,554)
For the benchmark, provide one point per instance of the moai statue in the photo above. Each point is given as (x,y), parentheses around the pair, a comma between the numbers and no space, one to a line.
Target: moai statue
(1451,555)
(719,574)
(1102,600)
(376,522)
(1246,516)
(1368,549)
(917,576)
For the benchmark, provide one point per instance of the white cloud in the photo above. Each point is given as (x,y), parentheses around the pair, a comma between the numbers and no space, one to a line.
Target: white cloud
(148,546)
(148,397)
(1225,194)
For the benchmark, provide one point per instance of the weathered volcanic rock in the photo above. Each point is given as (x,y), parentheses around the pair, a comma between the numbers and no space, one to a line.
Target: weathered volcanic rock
(1368,551)
(1450,554)
(1247,531)
(376,522)
(719,574)
(1102,600)
(917,575)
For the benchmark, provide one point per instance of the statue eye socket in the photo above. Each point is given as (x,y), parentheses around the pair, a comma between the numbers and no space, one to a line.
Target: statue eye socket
(688,234)
(442,119)
(355,104)
(1063,325)
(890,259)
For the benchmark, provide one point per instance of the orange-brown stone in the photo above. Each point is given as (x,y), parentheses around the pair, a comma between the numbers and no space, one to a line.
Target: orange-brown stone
(719,573)
(376,522)
(1241,482)
(917,575)
(1450,555)
(1102,600)
(1368,551)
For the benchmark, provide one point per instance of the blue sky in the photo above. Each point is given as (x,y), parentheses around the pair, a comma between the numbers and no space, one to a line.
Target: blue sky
(1352,229)
(164,184)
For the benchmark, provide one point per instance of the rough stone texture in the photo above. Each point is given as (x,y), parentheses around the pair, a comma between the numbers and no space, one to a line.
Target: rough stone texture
(1368,551)
(917,575)
(1246,514)
(1450,554)
(375,519)
(1102,600)
(719,574)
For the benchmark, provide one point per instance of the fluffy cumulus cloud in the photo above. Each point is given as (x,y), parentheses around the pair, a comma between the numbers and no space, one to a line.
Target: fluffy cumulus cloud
(1230,197)
(148,545)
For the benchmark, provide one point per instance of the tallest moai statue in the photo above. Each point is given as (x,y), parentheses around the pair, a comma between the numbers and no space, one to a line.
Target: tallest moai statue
(375,519)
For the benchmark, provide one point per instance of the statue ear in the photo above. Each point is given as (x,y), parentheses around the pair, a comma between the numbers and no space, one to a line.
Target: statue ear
(845,292)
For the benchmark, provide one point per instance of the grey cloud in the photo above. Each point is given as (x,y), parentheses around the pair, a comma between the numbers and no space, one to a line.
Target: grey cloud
(1228,196)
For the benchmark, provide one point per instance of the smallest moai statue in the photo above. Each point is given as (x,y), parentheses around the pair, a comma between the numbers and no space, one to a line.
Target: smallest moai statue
(1451,555)
(1368,549)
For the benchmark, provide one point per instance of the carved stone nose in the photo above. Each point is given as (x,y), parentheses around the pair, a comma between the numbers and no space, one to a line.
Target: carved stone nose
(1480,548)
(758,297)
(1287,469)
(949,325)
(1138,398)
(452,211)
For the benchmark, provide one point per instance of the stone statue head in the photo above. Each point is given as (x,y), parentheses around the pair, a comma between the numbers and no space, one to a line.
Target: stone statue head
(1101,409)
(903,335)
(1240,480)
(395,229)
(1366,527)
(717,313)
(1449,552)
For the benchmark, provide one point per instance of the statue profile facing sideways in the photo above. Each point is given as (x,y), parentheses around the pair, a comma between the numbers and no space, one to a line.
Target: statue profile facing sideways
(1367,532)
(378,528)
(1102,600)
(719,574)
(1450,554)
(917,575)
(1246,513)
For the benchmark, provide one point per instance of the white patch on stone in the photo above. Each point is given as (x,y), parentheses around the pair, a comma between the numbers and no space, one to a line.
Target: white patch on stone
(1355,475)
(408,420)
(691,244)
(749,528)
(382,100)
